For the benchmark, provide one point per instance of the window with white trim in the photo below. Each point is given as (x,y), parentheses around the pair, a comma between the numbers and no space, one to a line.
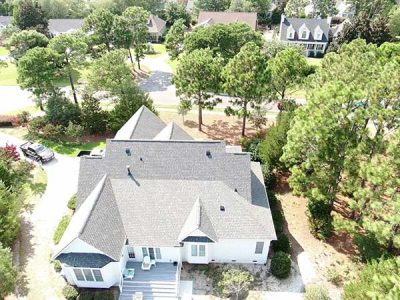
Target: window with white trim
(158,253)
(259,247)
(145,252)
(320,47)
(199,250)
(85,274)
(304,34)
(97,275)
(131,252)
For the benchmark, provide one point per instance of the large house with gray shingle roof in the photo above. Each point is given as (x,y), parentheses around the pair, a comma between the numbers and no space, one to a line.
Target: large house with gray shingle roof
(157,193)
(312,34)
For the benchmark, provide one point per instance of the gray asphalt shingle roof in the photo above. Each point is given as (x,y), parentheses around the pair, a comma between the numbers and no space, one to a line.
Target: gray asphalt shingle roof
(311,24)
(174,187)
(224,17)
(155,24)
(84,260)
(64,25)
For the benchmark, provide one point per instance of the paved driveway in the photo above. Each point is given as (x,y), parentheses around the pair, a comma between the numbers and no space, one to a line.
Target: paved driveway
(39,280)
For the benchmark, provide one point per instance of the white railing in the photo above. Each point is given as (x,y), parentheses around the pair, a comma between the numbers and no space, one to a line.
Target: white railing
(121,282)
(178,278)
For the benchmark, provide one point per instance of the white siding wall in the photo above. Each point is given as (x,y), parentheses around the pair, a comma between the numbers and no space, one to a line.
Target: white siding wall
(110,272)
(168,254)
(228,251)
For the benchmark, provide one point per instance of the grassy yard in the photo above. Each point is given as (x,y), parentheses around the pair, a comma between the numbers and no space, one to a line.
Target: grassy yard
(66,148)
(314,61)
(3,51)
(8,76)
(158,48)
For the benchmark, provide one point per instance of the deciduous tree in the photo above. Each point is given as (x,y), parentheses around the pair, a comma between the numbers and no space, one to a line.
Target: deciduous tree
(295,8)
(94,119)
(175,11)
(28,14)
(394,21)
(235,282)
(211,5)
(225,40)
(197,77)
(246,78)
(99,26)
(122,35)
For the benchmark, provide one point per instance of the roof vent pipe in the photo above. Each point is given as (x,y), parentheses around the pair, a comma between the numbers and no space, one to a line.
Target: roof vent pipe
(128,168)
(222,208)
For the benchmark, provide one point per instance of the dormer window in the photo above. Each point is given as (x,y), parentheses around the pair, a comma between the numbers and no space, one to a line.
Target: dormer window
(304,32)
(318,33)
(290,32)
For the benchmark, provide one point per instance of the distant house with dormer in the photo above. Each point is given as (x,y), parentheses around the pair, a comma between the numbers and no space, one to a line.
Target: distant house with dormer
(156,27)
(313,34)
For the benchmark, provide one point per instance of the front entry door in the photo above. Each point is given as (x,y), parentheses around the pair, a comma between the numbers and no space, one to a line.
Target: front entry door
(151,253)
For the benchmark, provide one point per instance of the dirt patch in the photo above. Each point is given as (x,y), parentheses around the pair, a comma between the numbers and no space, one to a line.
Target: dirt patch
(217,126)
(203,275)
(324,255)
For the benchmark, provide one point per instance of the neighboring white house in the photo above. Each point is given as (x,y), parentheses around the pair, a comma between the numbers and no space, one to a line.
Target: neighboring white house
(312,34)
(158,193)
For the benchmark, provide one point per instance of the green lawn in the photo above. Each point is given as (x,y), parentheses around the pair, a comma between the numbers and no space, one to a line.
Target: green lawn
(158,48)
(65,148)
(3,51)
(8,76)
(173,64)
(314,61)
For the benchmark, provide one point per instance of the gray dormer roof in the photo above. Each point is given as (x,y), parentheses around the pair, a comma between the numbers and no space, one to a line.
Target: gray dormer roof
(311,24)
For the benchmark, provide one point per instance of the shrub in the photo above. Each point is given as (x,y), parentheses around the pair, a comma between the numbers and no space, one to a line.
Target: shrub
(368,247)
(235,282)
(24,117)
(282,243)
(61,111)
(94,119)
(61,229)
(280,265)
(36,125)
(57,266)
(251,145)
(74,131)
(269,176)
(150,49)
(10,151)
(69,292)
(278,218)
(319,217)
(273,200)
(316,292)
(8,121)
(104,295)
(334,276)
(52,132)
(72,202)
(86,295)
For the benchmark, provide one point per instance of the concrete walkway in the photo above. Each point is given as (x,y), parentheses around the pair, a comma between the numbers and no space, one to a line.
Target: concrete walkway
(39,281)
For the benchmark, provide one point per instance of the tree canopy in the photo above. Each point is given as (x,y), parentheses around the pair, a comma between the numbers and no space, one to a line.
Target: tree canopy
(197,76)
(344,141)
(22,41)
(28,14)
(222,39)
(100,26)
(288,70)
(175,37)
(211,5)
(175,11)
(246,78)
(8,274)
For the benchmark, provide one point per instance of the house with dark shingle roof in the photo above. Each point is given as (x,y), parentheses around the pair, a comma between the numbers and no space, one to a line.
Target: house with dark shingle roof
(157,193)
(312,34)
(156,27)
(207,18)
